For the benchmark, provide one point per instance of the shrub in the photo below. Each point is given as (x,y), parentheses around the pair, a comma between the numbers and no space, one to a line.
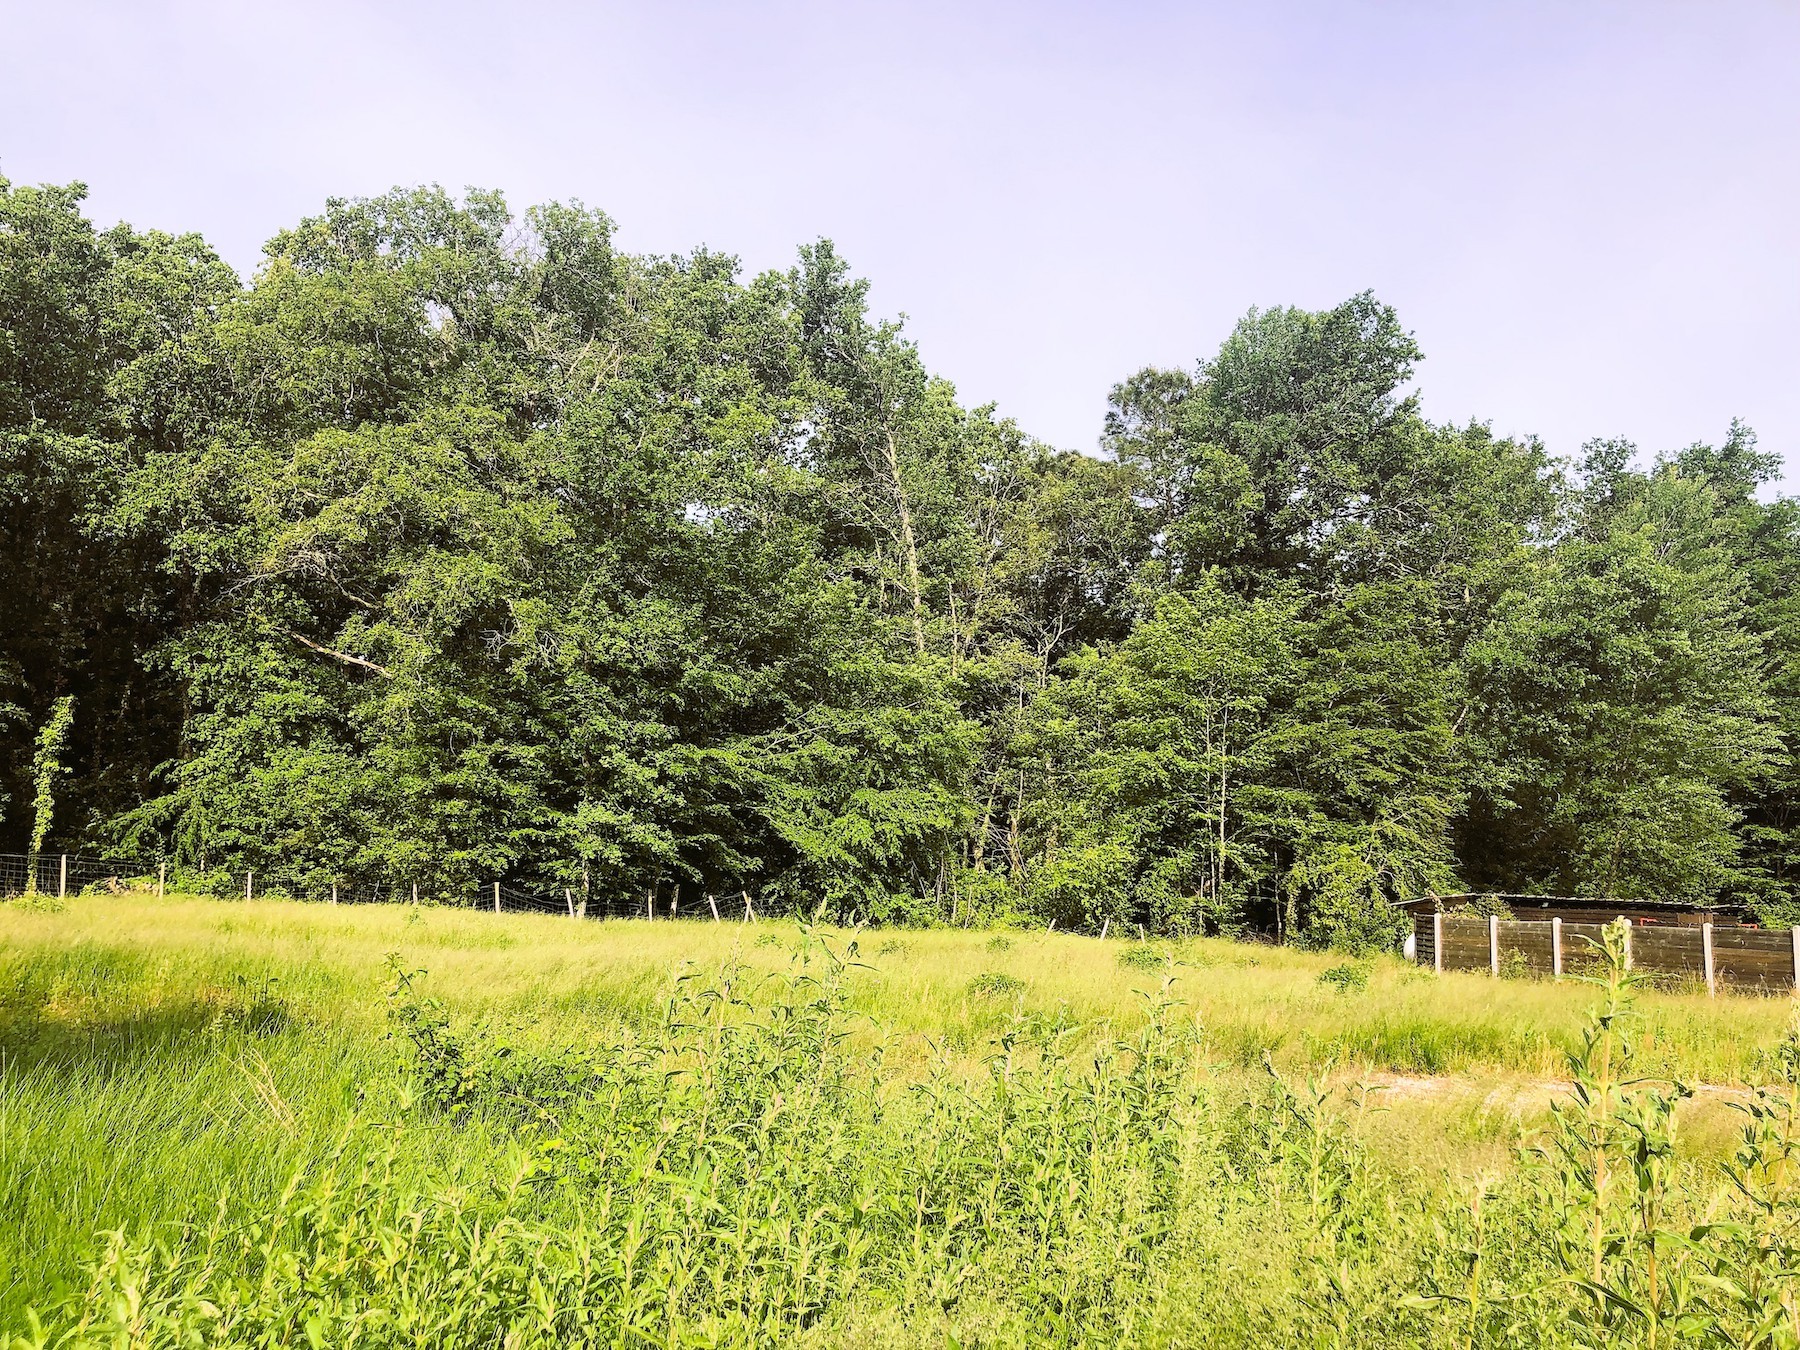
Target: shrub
(1347,978)
(36,902)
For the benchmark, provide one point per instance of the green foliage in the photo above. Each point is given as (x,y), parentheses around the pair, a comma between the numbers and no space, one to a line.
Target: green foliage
(210,1142)
(47,767)
(458,544)
(733,1172)
(35,902)
(1346,978)
(1144,957)
(996,984)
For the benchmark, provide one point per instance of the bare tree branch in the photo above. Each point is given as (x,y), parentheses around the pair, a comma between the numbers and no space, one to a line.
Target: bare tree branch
(345,657)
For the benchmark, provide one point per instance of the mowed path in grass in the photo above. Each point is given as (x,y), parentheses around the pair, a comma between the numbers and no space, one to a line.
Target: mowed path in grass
(154,1054)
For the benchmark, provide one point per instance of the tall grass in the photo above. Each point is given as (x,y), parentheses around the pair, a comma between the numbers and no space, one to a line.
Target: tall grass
(391,1126)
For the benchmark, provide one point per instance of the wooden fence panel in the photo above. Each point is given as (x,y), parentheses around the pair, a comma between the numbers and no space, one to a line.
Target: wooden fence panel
(1522,937)
(1425,938)
(1581,946)
(1747,958)
(1465,942)
(1668,950)
(1756,958)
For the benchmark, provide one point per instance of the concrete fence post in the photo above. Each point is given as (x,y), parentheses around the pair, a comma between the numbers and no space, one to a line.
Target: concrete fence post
(62,878)
(1556,949)
(1437,940)
(334,892)
(249,877)
(1105,928)
(162,877)
(1706,959)
(1494,945)
(713,905)
(496,897)
(1797,956)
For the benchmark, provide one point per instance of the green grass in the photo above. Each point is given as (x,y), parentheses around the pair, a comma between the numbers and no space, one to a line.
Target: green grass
(166,1062)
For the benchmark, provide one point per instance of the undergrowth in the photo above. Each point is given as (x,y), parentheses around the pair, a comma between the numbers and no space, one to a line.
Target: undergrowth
(749,1167)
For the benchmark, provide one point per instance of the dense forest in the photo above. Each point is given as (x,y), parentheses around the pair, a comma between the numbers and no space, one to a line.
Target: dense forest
(456,545)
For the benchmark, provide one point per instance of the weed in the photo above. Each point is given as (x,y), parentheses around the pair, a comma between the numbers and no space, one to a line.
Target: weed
(1346,978)
(1515,965)
(995,984)
(36,902)
(1143,956)
(254,1008)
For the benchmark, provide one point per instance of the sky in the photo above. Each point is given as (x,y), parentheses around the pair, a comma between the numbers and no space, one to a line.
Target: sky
(1588,213)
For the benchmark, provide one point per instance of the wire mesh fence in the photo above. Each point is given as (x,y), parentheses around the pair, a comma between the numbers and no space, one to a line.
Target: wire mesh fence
(67,874)
(62,874)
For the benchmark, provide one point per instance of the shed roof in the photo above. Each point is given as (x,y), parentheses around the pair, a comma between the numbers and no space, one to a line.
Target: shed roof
(1594,902)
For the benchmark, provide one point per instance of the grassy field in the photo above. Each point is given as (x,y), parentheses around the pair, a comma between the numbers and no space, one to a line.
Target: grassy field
(522,1130)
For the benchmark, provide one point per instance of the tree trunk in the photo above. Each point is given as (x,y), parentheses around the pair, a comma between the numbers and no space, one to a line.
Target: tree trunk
(908,541)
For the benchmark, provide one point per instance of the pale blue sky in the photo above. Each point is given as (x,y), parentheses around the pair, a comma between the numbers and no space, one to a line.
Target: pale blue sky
(1588,212)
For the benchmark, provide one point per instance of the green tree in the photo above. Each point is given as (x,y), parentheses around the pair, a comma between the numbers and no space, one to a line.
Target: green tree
(1619,703)
(47,767)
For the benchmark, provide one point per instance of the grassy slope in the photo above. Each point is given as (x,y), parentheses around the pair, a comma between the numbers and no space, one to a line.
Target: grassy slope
(150,1064)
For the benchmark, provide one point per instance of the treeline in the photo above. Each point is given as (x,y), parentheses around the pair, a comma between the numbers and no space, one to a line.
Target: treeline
(456,546)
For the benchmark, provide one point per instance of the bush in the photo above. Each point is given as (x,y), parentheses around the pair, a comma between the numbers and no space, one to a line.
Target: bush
(1342,904)
(37,902)
(1348,978)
